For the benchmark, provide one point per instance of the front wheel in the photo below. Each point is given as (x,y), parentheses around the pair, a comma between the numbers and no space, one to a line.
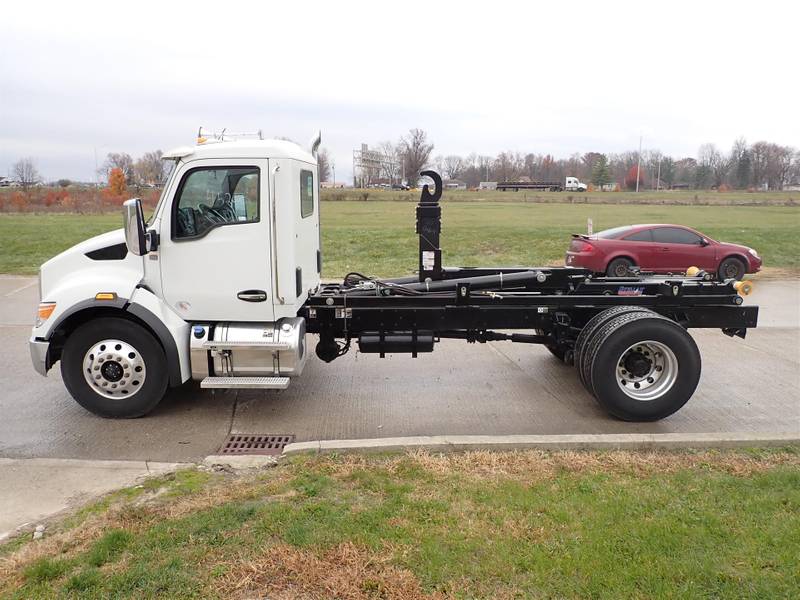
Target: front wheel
(114,368)
(731,268)
(643,367)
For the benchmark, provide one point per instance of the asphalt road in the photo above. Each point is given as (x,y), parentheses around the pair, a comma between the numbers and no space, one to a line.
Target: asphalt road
(750,385)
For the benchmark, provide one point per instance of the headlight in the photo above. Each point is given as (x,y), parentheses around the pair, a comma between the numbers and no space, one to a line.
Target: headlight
(753,252)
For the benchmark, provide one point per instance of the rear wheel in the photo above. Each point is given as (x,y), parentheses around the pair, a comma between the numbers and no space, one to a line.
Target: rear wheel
(587,333)
(114,368)
(731,268)
(643,367)
(619,267)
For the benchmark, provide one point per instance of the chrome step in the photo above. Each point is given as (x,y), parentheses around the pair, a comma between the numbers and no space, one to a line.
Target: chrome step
(212,345)
(249,383)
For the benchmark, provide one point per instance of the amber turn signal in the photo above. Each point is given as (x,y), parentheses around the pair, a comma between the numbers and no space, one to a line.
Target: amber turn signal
(45,310)
(745,288)
(105,296)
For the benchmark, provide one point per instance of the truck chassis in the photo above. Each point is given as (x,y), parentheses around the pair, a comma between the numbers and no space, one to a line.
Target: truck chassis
(602,325)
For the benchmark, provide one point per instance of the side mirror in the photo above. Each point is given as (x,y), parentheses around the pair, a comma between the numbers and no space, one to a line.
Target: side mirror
(133,218)
(704,242)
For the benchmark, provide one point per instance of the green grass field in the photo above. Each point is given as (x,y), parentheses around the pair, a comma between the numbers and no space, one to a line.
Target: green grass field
(477,525)
(684,197)
(378,237)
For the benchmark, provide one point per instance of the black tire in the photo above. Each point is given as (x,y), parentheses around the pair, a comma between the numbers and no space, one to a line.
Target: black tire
(151,354)
(619,267)
(731,268)
(587,333)
(625,332)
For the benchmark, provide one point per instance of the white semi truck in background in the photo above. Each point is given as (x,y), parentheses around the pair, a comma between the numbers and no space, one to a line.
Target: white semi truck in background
(222,285)
(571,184)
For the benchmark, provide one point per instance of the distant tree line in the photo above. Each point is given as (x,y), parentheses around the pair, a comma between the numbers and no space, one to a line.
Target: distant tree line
(762,165)
(746,166)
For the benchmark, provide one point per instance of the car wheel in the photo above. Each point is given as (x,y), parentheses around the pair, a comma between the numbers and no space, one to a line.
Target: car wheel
(731,268)
(619,267)
(114,368)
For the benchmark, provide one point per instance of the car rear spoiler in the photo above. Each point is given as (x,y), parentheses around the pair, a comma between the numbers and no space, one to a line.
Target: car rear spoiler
(582,236)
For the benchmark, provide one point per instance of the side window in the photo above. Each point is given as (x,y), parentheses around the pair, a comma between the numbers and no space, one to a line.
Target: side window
(673,235)
(212,197)
(306,193)
(645,235)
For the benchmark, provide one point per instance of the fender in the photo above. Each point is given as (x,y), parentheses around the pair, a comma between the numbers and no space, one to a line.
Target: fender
(171,330)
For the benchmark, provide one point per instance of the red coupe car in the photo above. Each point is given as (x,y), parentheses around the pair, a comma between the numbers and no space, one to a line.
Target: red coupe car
(661,249)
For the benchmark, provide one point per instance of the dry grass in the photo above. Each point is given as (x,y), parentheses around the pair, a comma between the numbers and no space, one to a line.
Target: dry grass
(537,465)
(345,571)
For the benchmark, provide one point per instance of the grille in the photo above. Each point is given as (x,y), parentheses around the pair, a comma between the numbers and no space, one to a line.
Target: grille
(249,443)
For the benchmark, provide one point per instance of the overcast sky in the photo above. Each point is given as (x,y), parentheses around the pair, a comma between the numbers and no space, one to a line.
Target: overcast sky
(562,77)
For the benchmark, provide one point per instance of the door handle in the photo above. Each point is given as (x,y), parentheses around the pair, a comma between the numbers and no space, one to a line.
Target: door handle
(252,295)
(664,249)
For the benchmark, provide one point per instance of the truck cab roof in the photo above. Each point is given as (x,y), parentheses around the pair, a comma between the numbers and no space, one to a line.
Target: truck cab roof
(241,149)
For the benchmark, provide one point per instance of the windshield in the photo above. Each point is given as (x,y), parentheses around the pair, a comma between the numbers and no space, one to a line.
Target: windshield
(614,233)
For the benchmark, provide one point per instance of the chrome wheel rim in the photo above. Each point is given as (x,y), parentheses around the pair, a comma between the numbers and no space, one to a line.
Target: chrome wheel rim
(114,369)
(647,370)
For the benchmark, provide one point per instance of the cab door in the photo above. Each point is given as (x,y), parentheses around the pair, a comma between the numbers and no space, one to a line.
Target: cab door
(307,239)
(215,242)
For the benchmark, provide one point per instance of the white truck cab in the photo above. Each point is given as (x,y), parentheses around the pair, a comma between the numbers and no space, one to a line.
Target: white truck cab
(208,288)
(573,184)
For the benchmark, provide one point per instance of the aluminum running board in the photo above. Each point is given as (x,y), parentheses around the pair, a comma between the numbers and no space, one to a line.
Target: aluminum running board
(245,344)
(245,383)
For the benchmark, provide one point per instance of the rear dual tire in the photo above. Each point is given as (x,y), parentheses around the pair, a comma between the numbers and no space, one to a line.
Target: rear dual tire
(639,365)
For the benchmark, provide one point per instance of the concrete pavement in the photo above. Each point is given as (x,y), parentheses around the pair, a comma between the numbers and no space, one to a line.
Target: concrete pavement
(34,489)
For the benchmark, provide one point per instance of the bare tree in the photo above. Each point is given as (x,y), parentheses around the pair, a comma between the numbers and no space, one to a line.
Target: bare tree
(323,165)
(24,171)
(712,166)
(149,169)
(415,152)
(390,167)
(452,166)
(118,160)
(740,161)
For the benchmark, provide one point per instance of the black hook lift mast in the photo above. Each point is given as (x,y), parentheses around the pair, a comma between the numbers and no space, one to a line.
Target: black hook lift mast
(626,336)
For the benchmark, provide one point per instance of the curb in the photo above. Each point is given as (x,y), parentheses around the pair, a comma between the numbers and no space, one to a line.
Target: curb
(628,441)
(151,467)
(251,461)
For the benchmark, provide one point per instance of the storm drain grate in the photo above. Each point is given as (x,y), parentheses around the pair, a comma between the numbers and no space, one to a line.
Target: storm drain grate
(248,443)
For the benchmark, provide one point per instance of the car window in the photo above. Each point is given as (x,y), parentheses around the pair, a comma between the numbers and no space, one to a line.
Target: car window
(675,235)
(306,193)
(212,197)
(645,235)
(612,234)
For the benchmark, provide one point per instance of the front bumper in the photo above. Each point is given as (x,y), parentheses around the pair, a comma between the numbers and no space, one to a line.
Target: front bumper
(40,350)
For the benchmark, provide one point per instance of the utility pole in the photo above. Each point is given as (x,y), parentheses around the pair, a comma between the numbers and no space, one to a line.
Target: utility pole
(658,177)
(639,163)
